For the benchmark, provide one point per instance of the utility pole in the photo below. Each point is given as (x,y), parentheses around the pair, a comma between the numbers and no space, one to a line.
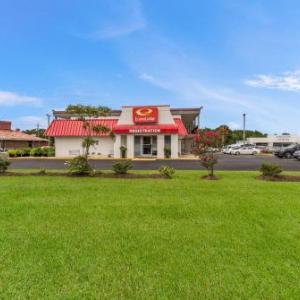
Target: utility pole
(244,128)
(48,120)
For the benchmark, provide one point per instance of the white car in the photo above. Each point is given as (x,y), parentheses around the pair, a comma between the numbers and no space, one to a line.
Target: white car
(227,149)
(245,150)
(233,149)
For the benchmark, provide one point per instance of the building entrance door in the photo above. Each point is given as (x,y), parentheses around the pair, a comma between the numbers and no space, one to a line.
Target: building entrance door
(146,145)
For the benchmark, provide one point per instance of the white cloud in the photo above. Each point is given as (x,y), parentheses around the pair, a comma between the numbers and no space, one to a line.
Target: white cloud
(14,99)
(130,21)
(288,81)
(188,80)
(234,125)
(191,88)
(30,122)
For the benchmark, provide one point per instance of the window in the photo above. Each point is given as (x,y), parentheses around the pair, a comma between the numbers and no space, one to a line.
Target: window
(124,140)
(137,146)
(167,141)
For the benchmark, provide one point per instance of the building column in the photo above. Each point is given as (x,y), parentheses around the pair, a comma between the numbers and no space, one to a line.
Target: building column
(179,146)
(174,146)
(160,146)
(130,146)
(117,145)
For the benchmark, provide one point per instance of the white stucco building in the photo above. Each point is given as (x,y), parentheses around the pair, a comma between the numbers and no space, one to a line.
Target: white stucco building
(273,142)
(145,131)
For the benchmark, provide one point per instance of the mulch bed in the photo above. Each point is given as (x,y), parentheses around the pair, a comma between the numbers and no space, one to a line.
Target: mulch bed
(208,177)
(280,178)
(98,175)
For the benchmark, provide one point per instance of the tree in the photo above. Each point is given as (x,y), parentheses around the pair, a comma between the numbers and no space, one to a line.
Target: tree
(237,135)
(87,114)
(37,132)
(205,143)
(224,131)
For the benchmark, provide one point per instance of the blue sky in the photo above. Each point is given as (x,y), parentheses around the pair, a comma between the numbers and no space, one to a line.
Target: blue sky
(230,56)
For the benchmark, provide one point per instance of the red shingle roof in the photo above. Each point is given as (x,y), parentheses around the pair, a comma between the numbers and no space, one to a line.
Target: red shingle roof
(11,135)
(74,128)
(59,128)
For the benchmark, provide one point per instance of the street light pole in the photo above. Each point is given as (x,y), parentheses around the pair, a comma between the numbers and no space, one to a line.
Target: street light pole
(244,128)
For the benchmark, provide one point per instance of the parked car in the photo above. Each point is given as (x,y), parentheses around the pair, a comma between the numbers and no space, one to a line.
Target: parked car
(287,152)
(233,149)
(297,154)
(227,149)
(245,150)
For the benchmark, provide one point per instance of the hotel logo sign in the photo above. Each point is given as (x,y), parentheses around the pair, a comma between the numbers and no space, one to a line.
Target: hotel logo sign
(145,115)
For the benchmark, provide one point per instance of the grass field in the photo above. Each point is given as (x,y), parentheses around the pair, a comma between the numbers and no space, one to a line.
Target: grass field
(185,238)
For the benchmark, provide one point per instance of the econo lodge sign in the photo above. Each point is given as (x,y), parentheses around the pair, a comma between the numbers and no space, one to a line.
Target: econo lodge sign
(145,114)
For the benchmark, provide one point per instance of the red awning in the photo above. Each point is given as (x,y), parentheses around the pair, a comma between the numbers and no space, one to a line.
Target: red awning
(60,128)
(168,128)
(181,128)
(177,128)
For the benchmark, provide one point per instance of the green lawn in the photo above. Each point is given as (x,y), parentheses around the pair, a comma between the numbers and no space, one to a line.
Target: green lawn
(185,238)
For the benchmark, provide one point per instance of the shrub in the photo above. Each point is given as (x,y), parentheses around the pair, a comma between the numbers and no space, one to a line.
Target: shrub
(37,152)
(49,151)
(42,172)
(122,167)
(3,165)
(79,166)
(26,152)
(166,171)
(19,153)
(12,153)
(167,152)
(270,170)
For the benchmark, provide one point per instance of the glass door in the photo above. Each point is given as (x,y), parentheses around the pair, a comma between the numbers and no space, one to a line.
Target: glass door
(146,146)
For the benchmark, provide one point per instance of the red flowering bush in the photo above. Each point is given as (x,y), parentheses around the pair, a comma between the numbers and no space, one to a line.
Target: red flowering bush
(206,143)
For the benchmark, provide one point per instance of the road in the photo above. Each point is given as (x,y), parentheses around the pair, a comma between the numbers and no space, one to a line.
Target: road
(226,162)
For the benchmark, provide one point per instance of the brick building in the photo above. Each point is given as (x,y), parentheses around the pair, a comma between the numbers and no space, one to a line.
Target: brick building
(14,139)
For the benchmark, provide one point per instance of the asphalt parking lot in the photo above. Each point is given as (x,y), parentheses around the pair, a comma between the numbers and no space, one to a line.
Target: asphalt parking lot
(226,162)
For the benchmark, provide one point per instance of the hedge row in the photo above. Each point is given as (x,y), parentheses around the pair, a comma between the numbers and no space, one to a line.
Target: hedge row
(36,152)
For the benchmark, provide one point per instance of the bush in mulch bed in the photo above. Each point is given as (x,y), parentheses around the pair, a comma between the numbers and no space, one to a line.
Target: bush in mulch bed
(166,171)
(122,167)
(271,172)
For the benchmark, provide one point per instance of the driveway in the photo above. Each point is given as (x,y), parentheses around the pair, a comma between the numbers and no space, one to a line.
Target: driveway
(226,162)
